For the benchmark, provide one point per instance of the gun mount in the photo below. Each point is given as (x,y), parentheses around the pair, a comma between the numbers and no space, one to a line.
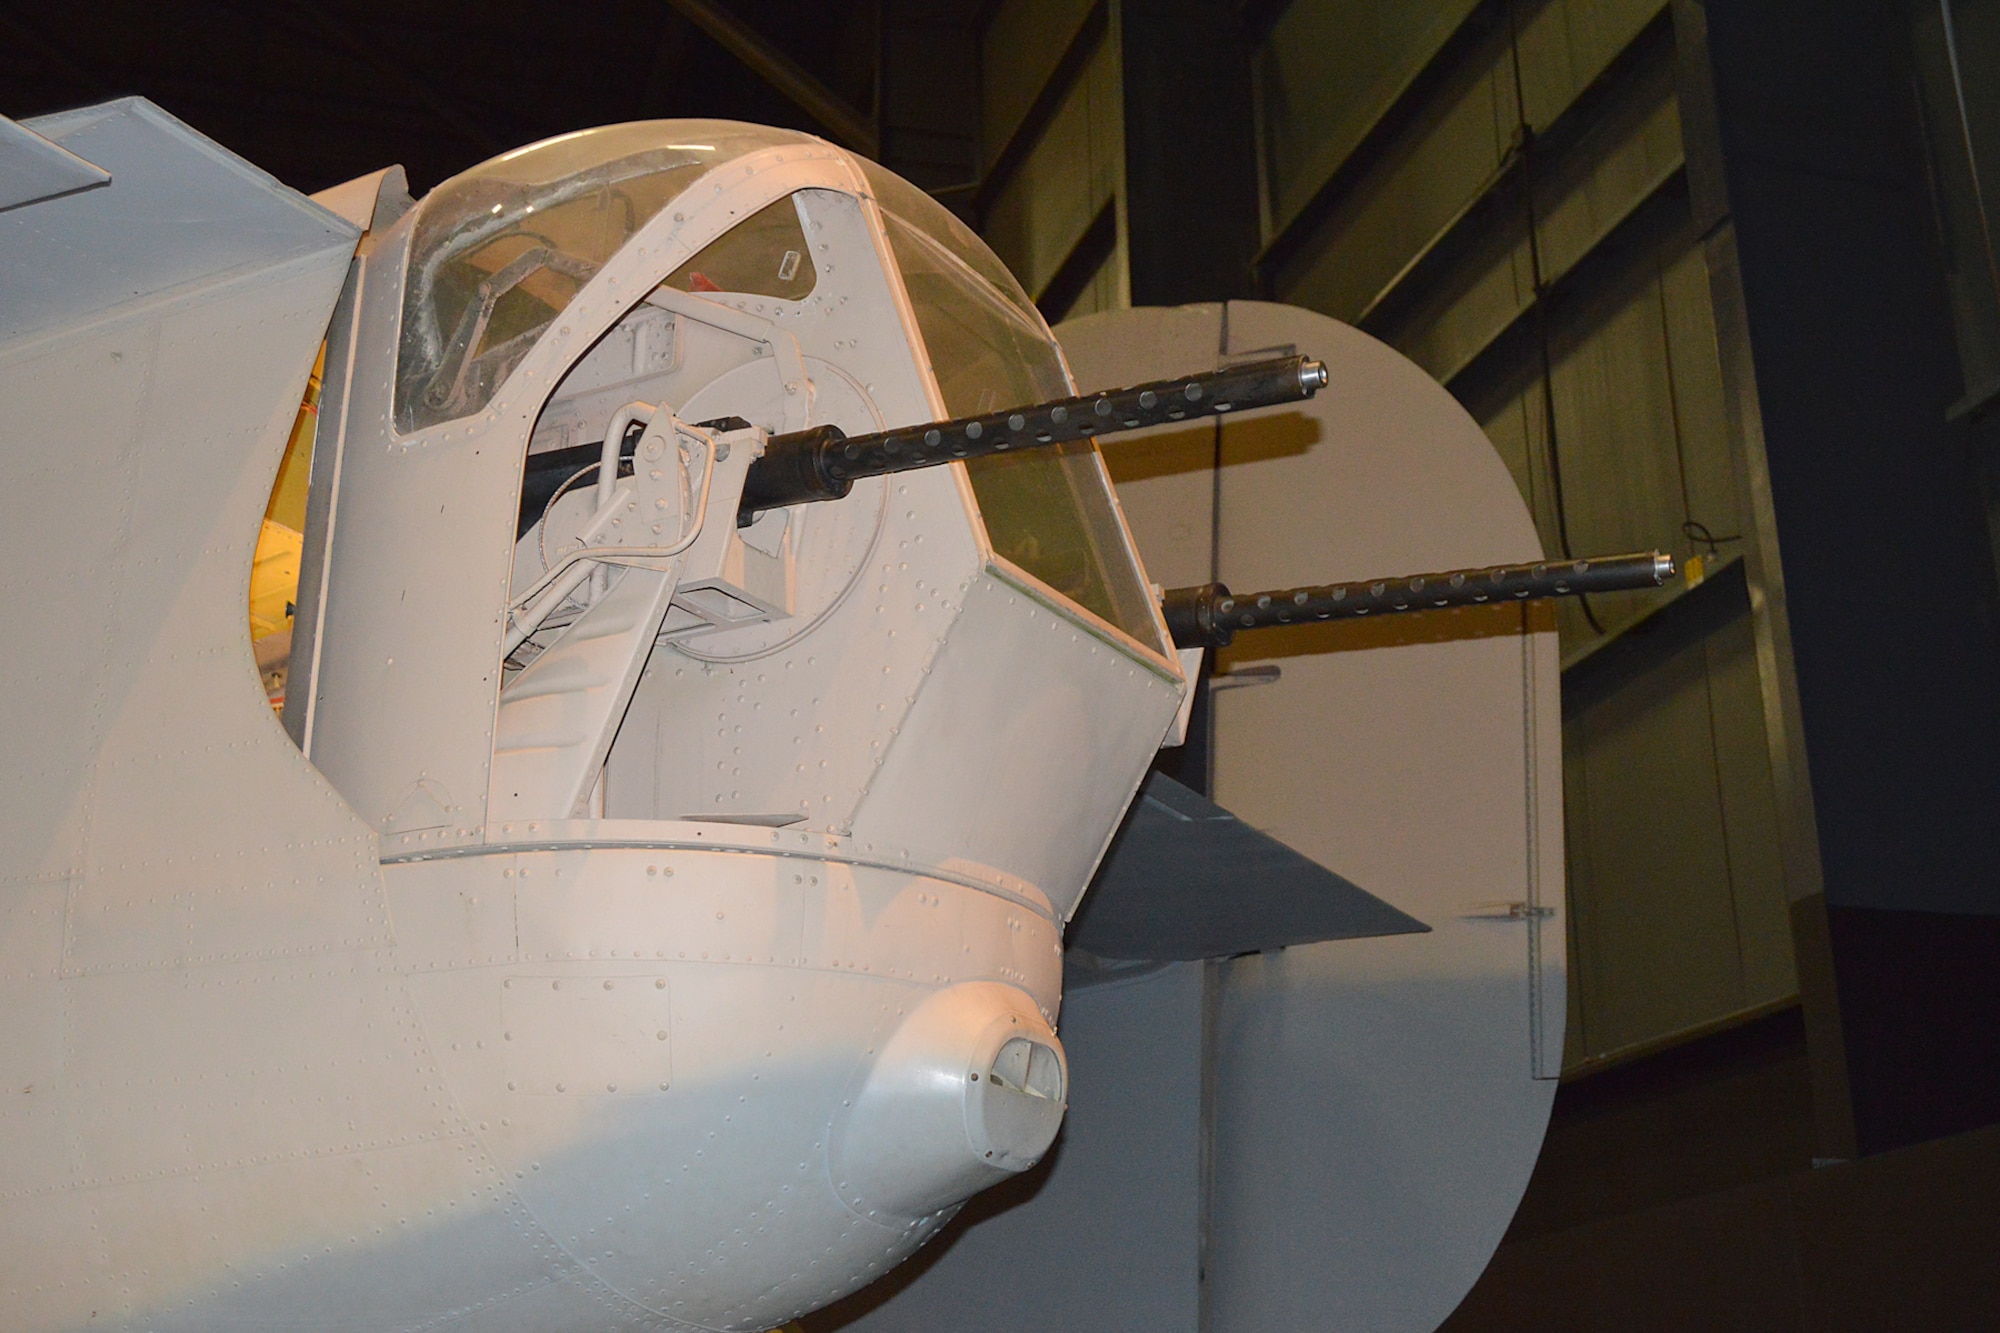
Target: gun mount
(823,463)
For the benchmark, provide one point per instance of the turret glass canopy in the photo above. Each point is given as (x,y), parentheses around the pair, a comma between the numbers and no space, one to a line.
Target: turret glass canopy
(498,252)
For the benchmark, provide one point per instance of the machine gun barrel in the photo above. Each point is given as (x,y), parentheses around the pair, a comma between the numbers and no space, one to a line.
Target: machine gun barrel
(823,463)
(1209,615)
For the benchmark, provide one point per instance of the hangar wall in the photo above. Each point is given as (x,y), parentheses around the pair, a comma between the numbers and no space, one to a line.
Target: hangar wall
(1512,213)
(1500,192)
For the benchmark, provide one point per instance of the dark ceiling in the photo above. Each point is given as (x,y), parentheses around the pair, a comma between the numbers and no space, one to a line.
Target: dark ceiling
(320,91)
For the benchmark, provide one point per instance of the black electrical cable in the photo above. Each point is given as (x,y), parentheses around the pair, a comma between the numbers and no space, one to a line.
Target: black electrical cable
(1697,531)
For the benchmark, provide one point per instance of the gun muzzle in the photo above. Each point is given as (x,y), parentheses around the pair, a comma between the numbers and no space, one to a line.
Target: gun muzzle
(1209,615)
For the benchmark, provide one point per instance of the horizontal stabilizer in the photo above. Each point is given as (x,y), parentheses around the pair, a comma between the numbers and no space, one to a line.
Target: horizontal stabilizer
(32,169)
(1186,879)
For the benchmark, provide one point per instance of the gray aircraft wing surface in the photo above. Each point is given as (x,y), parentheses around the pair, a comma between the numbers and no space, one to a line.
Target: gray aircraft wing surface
(1185,879)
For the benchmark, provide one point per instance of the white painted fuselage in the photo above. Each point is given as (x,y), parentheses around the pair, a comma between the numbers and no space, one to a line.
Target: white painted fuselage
(677,950)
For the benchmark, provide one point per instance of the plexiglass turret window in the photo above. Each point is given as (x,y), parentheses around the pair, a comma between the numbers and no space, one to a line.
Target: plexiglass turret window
(499,251)
(764,255)
(1049,512)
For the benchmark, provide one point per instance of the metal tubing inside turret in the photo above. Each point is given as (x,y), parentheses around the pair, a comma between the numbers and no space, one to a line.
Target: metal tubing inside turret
(1209,615)
(823,464)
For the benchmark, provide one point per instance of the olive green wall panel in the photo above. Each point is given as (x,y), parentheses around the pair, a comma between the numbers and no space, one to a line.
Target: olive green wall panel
(1073,170)
(1023,42)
